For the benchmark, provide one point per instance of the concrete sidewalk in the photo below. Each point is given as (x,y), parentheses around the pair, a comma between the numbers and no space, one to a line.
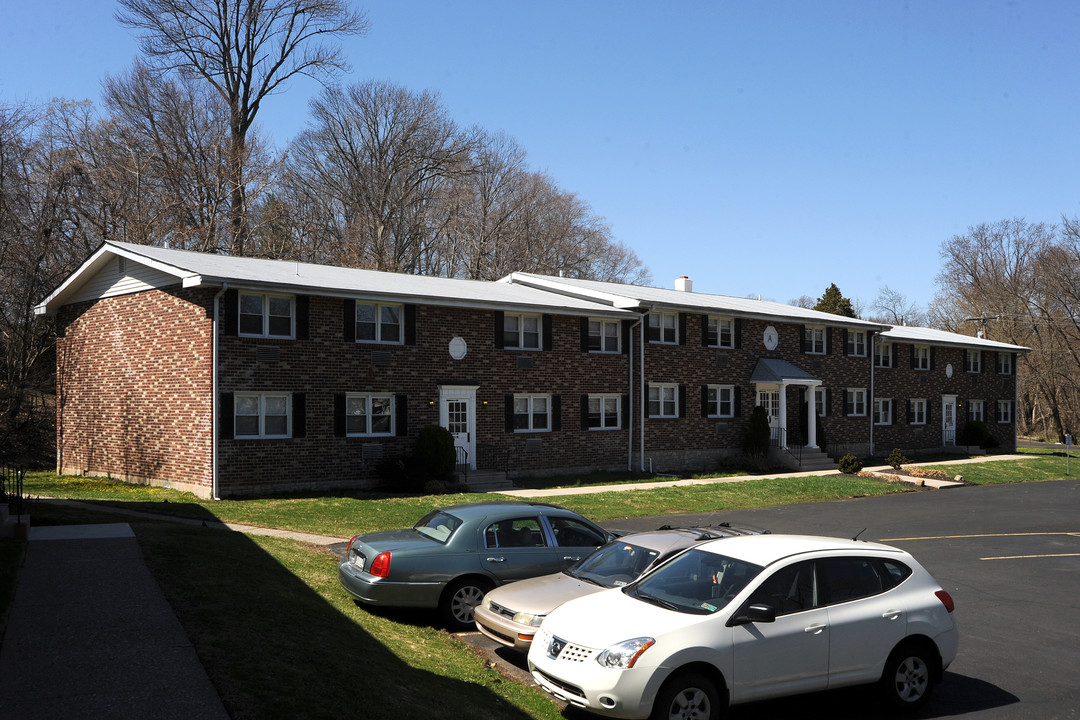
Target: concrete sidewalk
(91,635)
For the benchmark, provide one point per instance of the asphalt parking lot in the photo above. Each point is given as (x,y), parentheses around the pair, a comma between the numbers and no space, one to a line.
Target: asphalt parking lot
(1010,557)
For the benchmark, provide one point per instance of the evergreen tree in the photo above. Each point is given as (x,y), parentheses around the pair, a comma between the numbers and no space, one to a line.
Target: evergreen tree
(833,301)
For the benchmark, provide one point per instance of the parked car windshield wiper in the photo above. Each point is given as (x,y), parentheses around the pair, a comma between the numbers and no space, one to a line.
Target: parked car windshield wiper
(653,600)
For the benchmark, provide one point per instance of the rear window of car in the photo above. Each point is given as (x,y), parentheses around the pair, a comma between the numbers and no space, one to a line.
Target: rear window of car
(437,525)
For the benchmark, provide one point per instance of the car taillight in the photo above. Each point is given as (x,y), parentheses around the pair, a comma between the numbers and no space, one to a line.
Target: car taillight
(380,566)
(946,600)
(348,550)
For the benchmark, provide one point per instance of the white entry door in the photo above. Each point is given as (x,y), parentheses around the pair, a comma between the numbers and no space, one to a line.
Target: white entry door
(457,413)
(770,400)
(948,419)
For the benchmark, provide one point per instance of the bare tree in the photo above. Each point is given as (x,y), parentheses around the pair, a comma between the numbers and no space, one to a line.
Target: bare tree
(245,50)
(894,308)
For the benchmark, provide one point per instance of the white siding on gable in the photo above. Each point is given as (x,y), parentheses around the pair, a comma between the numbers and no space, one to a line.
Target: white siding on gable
(110,282)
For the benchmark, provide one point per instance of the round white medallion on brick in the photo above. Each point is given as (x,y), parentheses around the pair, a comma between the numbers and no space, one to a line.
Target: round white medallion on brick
(458,348)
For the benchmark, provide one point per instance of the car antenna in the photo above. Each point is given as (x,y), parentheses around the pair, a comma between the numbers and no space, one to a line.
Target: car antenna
(858,534)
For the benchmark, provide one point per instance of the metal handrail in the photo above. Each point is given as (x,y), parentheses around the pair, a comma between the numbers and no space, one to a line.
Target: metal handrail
(11,489)
(463,462)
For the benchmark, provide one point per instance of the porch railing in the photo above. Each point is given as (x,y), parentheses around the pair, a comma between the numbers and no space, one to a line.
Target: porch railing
(794,448)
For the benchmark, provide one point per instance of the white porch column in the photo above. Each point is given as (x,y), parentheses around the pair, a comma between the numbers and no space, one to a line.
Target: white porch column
(783,415)
(811,416)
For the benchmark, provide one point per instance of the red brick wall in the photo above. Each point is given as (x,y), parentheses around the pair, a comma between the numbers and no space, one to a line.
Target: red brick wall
(134,387)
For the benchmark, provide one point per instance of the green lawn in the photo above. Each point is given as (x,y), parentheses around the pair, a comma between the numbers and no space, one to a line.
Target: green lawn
(280,638)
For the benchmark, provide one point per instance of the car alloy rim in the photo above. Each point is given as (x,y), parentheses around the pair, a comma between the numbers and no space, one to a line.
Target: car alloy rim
(691,704)
(912,677)
(464,601)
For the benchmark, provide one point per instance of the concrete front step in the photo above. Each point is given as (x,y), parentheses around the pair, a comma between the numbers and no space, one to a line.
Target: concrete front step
(486,481)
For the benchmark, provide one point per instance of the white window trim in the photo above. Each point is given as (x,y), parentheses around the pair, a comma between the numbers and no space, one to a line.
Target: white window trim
(368,397)
(849,396)
(379,323)
(532,397)
(605,322)
(714,325)
(812,339)
(982,410)
(1008,405)
(855,339)
(1005,364)
(915,404)
(603,398)
(674,388)
(883,411)
(266,314)
(922,357)
(262,398)
(521,317)
(973,367)
(883,355)
(819,401)
(718,389)
(661,316)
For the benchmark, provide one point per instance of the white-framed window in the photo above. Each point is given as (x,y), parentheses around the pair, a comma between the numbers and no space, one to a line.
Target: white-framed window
(262,415)
(918,412)
(720,332)
(883,355)
(856,343)
(820,398)
(379,323)
(921,357)
(883,411)
(369,414)
(521,331)
(855,402)
(532,413)
(1004,411)
(1004,363)
(720,401)
(663,328)
(663,400)
(265,315)
(814,341)
(604,412)
(976,410)
(604,335)
(973,361)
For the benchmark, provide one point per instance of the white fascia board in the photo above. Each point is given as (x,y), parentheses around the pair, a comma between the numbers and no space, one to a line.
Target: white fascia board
(622,302)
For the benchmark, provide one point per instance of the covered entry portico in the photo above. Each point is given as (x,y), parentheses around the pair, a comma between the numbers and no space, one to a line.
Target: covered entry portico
(771,378)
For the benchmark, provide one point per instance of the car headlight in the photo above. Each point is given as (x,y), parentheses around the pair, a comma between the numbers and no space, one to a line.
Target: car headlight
(524,618)
(623,655)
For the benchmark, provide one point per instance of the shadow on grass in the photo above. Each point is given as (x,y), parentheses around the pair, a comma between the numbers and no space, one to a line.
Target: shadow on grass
(279,639)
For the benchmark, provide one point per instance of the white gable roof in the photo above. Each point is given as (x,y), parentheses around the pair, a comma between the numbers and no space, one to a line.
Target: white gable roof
(930,336)
(193,269)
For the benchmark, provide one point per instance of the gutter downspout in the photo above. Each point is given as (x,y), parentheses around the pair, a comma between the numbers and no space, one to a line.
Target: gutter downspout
(643,398)
(870,401)
(630,394)
(214,397)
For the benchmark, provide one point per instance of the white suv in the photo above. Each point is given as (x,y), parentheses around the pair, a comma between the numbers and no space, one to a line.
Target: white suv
(749,618)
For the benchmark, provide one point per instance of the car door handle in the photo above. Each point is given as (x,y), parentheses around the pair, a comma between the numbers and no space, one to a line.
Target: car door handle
(814,629)
(571,557)
(892,614)
(496,559)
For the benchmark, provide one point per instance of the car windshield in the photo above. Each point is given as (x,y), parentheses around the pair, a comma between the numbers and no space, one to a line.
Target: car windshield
(697,582)
(617,563)
(437,525)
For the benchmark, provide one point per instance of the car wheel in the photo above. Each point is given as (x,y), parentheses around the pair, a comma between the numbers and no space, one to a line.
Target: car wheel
(908,680)
(460,598)
(687,697)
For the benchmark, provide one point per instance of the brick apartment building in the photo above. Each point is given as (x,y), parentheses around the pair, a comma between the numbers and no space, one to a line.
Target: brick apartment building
(234,376)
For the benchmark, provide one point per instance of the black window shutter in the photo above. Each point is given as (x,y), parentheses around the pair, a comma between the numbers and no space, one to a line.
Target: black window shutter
(584,412)
(499,343)
(895,355)
(826,401)
(508,411)
(625,411)
(682,328)
(225,416)
(348,319)
(299,415)
(401,415)
(705,331)
(802,338)
(932,357)
(230,308)
(303,303)
(910,413)
(704,401)
(912,365)
(410,324)
(738,333)
(556,412)
(736,393)
(845,341)
(627,339)
(339,414)
(929,412)
(547,341)
(585,335)
(828,340)
(682,401)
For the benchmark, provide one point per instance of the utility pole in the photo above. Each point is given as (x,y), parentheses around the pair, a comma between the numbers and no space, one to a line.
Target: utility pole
(982,320)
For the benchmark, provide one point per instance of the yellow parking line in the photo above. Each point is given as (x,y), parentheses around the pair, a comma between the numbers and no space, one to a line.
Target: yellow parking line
(987,535)
(1024,557)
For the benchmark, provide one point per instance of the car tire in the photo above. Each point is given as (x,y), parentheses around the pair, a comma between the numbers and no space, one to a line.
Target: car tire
(687,697)
(460,598)
(908,679)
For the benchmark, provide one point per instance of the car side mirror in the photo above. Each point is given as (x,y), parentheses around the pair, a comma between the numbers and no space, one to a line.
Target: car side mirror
(755,614)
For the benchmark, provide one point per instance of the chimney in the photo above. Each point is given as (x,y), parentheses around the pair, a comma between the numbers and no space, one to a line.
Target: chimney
(684,284)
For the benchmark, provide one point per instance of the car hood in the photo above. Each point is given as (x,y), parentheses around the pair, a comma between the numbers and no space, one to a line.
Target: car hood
(611,616)
(540,595)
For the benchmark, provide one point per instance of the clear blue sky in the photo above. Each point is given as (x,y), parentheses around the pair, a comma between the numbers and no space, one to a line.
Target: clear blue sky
(759,147)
